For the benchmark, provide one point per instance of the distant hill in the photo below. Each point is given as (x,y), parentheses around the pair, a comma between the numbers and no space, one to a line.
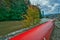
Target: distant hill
(52,15)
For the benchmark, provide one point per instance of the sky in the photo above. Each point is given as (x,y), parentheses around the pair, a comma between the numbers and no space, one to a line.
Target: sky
(48,6)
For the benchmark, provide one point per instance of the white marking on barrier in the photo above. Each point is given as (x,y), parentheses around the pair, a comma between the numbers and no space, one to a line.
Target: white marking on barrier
(44,38)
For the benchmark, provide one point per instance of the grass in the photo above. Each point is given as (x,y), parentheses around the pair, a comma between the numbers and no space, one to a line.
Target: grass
(10,26)
(7,27)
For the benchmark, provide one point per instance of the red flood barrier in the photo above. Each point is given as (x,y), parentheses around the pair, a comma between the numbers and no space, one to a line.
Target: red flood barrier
(40,32)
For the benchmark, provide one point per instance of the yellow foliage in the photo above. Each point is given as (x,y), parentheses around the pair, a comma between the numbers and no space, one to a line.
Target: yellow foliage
(32,16)
(33,12)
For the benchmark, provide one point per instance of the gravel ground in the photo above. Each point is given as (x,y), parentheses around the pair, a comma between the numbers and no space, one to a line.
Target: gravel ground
(56,32)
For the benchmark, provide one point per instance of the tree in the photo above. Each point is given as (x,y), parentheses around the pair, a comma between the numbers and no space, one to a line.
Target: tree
(12,9)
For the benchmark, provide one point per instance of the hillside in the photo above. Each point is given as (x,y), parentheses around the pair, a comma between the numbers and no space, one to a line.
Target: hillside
(53,16)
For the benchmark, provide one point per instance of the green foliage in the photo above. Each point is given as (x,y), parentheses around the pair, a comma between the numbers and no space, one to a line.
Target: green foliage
(12,9)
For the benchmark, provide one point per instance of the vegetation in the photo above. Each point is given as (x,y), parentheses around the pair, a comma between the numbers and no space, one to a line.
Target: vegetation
(12,9)
(33,14)
(17,10)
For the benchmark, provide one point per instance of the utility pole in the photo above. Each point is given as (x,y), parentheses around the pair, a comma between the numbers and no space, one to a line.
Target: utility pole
(59,9)
(42,13)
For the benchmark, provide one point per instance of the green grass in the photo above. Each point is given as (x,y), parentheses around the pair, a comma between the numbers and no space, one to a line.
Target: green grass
(7,27)
(10,26)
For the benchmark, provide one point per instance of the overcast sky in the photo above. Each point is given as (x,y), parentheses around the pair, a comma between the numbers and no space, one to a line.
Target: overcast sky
(48,6)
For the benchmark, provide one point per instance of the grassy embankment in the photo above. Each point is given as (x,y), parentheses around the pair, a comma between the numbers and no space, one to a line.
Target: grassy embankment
(32,18)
